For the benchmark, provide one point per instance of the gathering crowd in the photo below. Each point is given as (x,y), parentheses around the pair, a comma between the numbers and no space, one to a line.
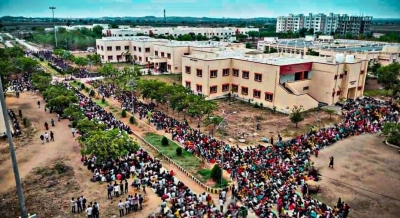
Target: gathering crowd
(266,175)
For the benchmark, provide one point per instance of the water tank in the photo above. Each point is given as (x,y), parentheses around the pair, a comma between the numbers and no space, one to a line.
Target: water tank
(339,58)
(349,58)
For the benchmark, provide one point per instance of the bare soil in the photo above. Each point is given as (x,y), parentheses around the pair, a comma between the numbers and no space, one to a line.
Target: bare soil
(39,189)
(366,175)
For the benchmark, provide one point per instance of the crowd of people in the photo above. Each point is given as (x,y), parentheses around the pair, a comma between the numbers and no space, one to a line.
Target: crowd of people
(60,64)
(270,175)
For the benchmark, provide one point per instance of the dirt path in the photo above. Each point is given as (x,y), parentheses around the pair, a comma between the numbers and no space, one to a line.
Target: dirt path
(366,174)
(37,155)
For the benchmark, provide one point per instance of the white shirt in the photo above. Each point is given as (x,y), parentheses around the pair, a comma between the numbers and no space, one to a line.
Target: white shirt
(89,210)
(121,205)
(116,188)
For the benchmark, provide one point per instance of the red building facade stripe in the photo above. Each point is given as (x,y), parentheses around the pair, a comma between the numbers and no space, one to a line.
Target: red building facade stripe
(294,68)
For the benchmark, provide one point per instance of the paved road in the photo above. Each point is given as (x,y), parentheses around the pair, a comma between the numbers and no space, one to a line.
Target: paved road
(8,44)
(28,46)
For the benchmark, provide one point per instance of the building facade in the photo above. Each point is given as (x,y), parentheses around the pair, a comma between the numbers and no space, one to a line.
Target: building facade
(326,24)
(274,80)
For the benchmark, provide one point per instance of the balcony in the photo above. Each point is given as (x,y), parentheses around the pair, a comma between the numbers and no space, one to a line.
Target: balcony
(156,59)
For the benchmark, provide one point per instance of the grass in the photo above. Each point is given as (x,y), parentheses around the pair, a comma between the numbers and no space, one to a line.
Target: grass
(167,78)
(187,160)
(100,103)
(74,84)
(205,174)
(377,92)
(45,65)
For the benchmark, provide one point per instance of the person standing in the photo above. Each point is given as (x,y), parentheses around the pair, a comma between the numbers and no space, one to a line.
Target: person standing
(126,206)
(121,208)
(79,203)
(96,210)
(126,186)
(46,136)
(121,187)
(46,125)
(221,205)
(116,190)
(109,191)
(141,199)
(42,138)
(73,131)
(73,205)
(89,211)
(38,103)
(52,139)
(83,200)
(52,122)
(331,162)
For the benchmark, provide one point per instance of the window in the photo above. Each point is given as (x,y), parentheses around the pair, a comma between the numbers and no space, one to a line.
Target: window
(169,66)
(134,48)
(126,48)
(102,57)
(360,88)
(345,72)
(186,53)
(140,49)
(306,75)
(225,72)
(147,59)
(225,87)
(235,72)
(162,54)
(140,59)
(297,76)
(213,73)
(338,92)
(305,88)
(341,76)
(258,77)
(147,50)
(119,57)
(213,89)
(187,70)
(362,72)
(199,88)
(199,72)
(156,53)
(245,74)
(335,77)
(98,46)
(256,93)
(102,48)
(110,57)
(187,84)
(245,90)
(168,55)
(118,48)
(109,48)
(269,96)
(235,88)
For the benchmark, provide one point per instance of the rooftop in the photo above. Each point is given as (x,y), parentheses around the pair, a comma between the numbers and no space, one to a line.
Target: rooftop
(201,44)
(134,38)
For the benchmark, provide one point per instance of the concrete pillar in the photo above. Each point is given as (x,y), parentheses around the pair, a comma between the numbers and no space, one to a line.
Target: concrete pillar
(2,123)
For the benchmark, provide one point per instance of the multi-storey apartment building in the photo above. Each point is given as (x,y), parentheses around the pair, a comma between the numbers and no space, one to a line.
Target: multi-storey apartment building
(327,24)
(274,80)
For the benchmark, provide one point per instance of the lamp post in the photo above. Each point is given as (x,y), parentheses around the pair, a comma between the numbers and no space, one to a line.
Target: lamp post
(21,198)
(52,8)
(222,126)
(132,85)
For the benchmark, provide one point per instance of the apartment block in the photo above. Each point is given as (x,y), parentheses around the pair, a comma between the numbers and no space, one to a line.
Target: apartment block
(326,24)
(274,80)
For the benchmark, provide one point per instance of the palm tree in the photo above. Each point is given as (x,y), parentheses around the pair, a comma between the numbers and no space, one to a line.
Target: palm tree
(127,56)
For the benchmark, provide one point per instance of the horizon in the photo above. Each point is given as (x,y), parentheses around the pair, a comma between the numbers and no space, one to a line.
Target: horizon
(233,9)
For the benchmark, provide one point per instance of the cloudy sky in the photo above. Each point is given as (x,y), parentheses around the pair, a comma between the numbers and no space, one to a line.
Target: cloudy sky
(197,8)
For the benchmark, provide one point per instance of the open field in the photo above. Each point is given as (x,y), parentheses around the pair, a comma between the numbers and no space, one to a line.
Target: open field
(366,175)
(167,78)
(385,29)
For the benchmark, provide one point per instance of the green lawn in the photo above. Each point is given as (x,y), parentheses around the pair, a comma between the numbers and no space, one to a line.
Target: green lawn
(45,65)
(187,160)
(377,92)
(100,103)
(74,84)
(205,174)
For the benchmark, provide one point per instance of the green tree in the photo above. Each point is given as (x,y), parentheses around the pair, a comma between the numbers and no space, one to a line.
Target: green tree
(107,70)
(253,34)
(296,115)
(41,80)
(330,112)
(392,132)
(81,61)
(59,97)
(164,141)
(388,77)
(97,30)
(216,173)
(248,45)
(108,144)
(312,52)
(85,126)
(24,64)
(373,67)
(179,151)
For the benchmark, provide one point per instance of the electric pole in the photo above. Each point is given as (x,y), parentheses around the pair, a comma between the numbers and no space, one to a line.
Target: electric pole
(54,24)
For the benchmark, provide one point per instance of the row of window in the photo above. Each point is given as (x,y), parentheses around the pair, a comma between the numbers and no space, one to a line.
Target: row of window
(119,58)
(118,48)
(359,88)
(268,96)
(163,54)
(226,72)
(345,73)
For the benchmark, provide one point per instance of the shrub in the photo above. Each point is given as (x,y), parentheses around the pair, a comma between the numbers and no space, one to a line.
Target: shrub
(261,105)
(92,93)
(179,151)
(26,122)
(82,86)
(123,113)
(132,120)
(87,89)
(256,105)
(149,72)
(216,173)
(164,141)
(103,100)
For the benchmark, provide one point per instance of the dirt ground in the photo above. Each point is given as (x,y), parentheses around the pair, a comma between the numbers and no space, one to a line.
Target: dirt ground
(372,84)
(245,121)
(168,78)
(366,175)
(32,154)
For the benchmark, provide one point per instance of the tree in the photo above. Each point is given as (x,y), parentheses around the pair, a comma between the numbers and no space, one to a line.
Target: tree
(108,144)
(388,77)
(81,61)
(164,141)
(24,64)
(248,45)
(373,67)
(312,52)
(85,126)
(253,34)
(114,26)
(216,173)
(392,132)
(330,112)
(213,120)
(108,70)
(123,113)
(179,151)
(59,97)
(98,31)
(296,115)
(41,80)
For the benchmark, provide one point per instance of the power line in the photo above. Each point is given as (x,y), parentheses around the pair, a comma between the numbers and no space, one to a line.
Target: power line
(353,186)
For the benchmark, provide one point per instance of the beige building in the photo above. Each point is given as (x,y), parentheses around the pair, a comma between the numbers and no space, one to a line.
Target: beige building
(274,80)
(113,50)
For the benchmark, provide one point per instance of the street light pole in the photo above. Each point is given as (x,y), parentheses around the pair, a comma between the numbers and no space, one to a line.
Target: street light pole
(54,24)
(132,84)
(24,213)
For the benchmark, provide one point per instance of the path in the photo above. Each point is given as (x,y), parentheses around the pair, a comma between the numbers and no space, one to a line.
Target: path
(37,155)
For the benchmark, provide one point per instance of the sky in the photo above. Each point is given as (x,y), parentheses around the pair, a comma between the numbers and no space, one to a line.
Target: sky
(197,8)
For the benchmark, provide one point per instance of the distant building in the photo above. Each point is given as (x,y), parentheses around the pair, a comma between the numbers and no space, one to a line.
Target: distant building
(326,24)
